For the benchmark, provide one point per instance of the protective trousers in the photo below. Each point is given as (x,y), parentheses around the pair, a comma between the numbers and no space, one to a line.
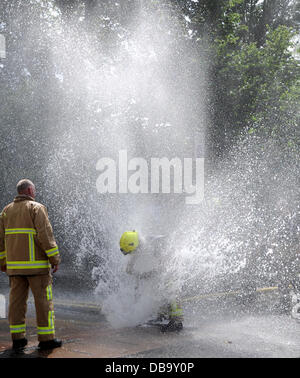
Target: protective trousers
(172,310)
(41,288)
(176,311)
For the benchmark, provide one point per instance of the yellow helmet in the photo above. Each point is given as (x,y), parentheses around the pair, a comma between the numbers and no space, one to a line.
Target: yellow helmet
(129,242)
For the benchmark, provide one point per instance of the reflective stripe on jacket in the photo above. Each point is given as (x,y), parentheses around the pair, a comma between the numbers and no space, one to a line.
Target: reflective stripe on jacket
(27,244)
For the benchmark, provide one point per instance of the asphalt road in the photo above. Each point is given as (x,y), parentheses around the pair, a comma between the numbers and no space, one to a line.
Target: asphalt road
(215,327)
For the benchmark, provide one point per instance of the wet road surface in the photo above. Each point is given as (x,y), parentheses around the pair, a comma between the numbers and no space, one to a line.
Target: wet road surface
(215,328)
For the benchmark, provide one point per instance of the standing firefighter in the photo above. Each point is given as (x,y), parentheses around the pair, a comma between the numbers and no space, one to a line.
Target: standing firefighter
(27,252)
(146,264)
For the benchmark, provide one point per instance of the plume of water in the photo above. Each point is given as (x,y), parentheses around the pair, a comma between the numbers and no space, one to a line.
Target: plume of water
(132,91)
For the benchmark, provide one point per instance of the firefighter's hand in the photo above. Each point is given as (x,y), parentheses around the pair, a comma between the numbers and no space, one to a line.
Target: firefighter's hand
(54,268)
(3,268)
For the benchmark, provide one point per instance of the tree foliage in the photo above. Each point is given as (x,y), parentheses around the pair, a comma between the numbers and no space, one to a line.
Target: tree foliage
(243,48)
(254,75)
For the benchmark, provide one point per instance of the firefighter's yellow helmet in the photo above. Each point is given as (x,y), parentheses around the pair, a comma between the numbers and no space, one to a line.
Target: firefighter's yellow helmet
(129,242)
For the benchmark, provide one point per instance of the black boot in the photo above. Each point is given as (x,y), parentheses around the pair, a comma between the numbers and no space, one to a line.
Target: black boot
(50,344)
(19,344)
(173,325)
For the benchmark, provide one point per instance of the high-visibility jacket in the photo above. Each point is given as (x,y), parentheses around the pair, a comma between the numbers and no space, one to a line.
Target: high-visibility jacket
(27,244)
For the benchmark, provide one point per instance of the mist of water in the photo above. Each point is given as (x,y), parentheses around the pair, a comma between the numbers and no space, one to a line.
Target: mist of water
(139,97)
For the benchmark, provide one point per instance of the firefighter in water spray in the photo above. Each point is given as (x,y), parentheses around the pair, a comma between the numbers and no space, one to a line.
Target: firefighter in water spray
(145,263)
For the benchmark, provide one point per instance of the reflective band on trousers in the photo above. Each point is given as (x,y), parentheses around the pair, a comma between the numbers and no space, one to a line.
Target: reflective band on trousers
(28,264)
(50,328)
(2,255)
(176,310)
(49,292)
(20,328)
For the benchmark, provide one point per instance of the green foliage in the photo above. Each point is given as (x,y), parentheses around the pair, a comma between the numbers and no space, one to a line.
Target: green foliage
(256,85)
(246,45)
